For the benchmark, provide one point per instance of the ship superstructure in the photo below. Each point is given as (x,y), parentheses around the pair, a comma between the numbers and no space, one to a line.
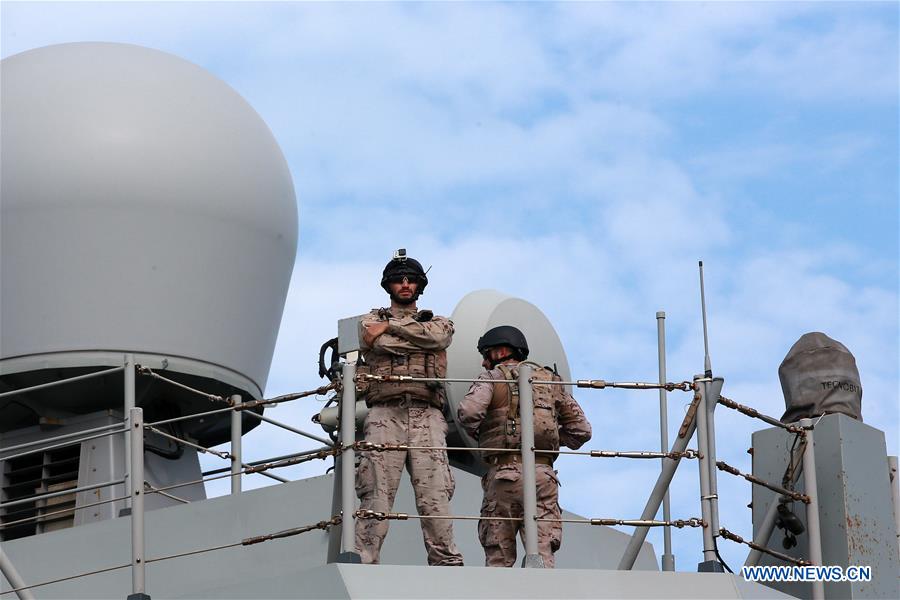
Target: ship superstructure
(149,229)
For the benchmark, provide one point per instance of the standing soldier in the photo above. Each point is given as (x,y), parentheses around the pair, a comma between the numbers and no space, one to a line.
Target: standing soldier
(490,414)
(403,340)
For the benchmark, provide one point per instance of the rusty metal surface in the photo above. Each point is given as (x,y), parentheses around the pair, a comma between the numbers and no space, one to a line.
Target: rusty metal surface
(855,508)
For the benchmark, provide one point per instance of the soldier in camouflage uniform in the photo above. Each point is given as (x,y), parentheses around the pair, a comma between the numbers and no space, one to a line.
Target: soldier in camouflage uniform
(403,340)
(489,413)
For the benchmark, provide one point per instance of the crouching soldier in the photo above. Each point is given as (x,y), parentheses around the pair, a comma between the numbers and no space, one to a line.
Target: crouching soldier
(490,414)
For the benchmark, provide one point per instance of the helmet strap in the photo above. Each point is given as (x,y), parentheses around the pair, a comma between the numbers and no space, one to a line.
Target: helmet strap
(513,355)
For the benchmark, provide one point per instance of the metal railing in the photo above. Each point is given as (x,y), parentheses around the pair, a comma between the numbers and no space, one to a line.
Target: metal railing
(133,430)
(700,418)
(706,396)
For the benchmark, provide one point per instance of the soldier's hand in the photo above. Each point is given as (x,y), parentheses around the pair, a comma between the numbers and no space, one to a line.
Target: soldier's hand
(373,330)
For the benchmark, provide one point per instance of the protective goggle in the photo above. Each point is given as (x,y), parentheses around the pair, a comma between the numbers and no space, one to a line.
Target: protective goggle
(403,278)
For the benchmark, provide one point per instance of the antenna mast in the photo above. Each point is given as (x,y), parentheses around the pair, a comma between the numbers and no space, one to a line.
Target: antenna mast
(707,364)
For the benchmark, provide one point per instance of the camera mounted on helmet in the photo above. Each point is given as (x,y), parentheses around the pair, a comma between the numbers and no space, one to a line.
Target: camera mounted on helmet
(403,267)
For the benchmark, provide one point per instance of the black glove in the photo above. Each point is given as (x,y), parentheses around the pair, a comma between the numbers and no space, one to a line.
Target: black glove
(423,315)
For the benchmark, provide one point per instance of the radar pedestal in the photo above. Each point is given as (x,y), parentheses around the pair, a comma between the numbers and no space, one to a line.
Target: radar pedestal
(855,506)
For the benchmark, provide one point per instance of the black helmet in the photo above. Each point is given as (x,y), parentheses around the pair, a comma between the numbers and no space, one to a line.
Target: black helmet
(504,335)
(403,266)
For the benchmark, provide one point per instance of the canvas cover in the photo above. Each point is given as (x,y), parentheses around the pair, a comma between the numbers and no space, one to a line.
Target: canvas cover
(819,376)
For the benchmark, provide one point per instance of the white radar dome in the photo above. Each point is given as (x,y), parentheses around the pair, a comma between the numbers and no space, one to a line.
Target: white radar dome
(146,208)
(476,313)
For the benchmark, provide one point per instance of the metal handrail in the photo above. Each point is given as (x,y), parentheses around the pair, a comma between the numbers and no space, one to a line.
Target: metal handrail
(289,428)
(597,384)
(45,516)
(42,386)
(59,437)
(68,443)
(272,459)
(709,520)
(84,488)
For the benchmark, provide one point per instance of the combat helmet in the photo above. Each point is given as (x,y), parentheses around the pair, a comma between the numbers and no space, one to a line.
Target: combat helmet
(403,266)
(504,335)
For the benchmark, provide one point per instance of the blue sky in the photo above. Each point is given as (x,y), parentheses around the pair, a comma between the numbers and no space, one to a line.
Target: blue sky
(603,148)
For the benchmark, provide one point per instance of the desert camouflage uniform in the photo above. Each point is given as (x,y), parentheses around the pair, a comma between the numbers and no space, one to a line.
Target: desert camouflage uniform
(406,413)
(502,484)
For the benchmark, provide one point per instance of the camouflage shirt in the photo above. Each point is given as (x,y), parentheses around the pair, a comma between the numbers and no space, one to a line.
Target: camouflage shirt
(574,428)
(405,333)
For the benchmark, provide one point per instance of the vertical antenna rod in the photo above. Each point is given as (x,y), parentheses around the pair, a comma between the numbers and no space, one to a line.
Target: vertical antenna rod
(668,559)
(707,364)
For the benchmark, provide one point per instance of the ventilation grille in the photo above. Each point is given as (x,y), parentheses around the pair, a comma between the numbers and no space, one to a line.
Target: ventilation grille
(39,473)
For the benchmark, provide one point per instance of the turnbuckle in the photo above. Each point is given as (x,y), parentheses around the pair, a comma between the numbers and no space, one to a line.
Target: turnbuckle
(364,446)
(371,377)
(380,516)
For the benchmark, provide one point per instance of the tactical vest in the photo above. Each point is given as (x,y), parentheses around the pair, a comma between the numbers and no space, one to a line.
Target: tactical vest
(414,364)
(501,427)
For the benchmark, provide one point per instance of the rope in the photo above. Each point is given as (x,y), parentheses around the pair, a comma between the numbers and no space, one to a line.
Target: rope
(736,538)
(61,579)
(756,480)
(364,446)
(387,516)
(324,525)
(149,372)
(220,454)
(287,462)
(244,542)
(249,470)
(599,384)
(752,412)
(286,398)
(677,523)
(247,405)
(150,489)
(627,453)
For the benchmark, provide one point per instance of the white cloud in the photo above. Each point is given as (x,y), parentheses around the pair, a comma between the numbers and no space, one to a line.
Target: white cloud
(533,149)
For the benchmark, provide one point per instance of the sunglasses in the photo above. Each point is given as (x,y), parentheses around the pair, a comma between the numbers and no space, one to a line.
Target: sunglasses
(402,278)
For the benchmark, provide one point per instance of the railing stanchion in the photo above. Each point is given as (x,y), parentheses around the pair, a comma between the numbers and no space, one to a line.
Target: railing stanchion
(668,559)
(348,463)
(12,576)
(812,509)
(765,532)
(710,391)
(704,445)
(136,483)
(709,554)
(236,431)
(336,533)
(127,405)
(529,481)
(670,465)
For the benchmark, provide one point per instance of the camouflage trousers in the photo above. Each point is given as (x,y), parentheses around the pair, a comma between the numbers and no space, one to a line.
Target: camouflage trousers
(378,475)
(502,487)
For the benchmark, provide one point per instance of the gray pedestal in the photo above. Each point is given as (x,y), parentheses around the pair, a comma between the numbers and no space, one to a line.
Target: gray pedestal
(855,506)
